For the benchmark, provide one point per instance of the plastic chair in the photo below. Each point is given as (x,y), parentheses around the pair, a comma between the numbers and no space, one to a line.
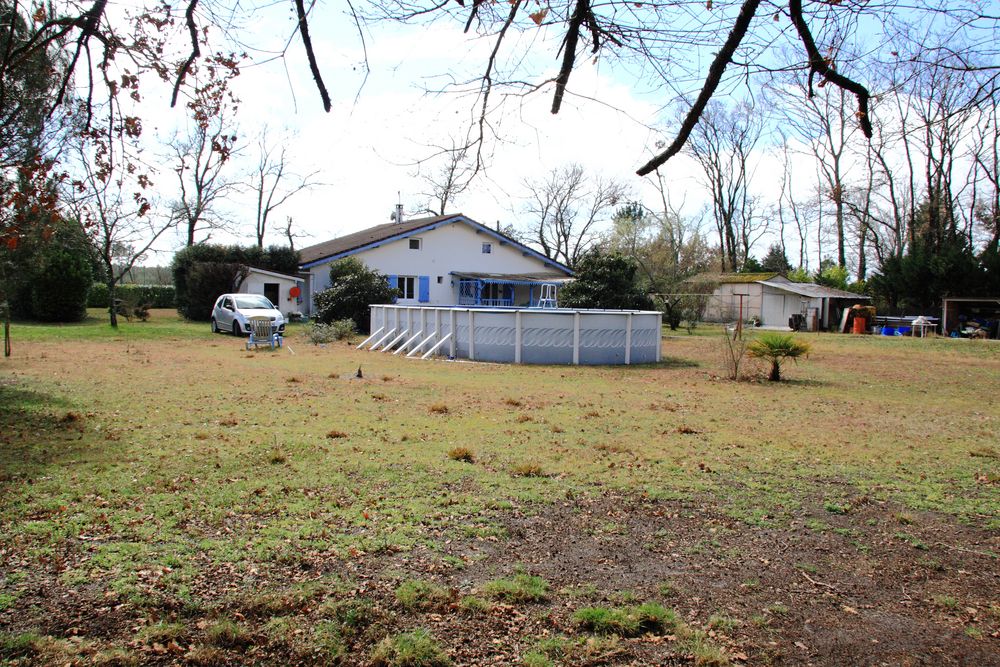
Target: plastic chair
(262,332)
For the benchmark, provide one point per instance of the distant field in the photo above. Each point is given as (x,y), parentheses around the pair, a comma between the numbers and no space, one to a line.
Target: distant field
(168,498)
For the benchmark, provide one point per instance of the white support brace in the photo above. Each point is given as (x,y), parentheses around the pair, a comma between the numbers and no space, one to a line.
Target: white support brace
(436,346)
(419,346)
(395,340)
(382,340)
(404,346)
(367,340)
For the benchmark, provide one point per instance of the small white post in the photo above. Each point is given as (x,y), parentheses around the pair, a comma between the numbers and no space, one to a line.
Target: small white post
(576,338)
(517,337)
(453,333)
(472,335)
(659,337)
(628,339)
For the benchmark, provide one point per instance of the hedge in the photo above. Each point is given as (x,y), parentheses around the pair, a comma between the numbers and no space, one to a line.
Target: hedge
(158,296)
(191,303)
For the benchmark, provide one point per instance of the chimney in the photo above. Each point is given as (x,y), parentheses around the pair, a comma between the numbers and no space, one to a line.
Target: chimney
(399,213)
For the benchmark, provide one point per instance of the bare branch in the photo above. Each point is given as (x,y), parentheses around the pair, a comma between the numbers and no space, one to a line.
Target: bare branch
(715,73)
(569,51)
(195,50)
(820,65)
(307,42)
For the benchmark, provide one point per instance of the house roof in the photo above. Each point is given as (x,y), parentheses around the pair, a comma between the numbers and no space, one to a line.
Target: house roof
(813,290)
(726,278)
(374,236)
(254,269)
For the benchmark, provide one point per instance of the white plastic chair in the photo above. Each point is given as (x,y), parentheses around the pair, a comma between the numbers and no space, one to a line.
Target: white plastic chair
(262,332)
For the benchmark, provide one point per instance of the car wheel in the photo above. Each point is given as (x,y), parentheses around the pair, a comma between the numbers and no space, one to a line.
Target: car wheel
(215,326)
(237,331)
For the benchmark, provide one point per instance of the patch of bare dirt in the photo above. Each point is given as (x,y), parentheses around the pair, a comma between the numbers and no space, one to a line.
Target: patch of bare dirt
(873,586)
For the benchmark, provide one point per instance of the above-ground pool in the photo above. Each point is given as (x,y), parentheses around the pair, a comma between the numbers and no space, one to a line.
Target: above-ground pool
(517,335)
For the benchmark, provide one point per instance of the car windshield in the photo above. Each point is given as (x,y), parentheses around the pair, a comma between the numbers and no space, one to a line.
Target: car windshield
(252,301)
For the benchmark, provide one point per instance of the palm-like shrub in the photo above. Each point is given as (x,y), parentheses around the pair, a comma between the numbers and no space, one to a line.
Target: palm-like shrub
(776,348)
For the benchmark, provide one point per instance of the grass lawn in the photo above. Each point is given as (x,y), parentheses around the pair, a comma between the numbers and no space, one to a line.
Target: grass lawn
(167,497)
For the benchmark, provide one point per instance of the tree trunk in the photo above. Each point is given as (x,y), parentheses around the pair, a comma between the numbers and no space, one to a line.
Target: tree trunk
(6,329)
(775,375)
(112,306)
(862,259)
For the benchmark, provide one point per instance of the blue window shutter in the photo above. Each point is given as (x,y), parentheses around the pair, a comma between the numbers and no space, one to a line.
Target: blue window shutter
(425,289)
(394,284)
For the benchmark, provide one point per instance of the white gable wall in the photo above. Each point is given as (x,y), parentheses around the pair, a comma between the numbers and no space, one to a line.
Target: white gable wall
(452,247)
(286,303)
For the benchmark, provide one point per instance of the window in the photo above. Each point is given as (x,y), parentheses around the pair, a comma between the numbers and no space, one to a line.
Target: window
(251,301)
(440,279)
(487,248)
(415,244)
(406,286)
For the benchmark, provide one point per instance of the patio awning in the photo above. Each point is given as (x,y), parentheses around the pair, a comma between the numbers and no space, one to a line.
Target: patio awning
(513,278)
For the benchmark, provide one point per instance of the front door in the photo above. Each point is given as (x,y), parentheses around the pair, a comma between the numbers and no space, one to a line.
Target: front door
(271,292)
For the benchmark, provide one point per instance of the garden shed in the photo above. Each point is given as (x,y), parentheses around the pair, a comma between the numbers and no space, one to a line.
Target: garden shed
(284,291)
(964,314)
(772,300)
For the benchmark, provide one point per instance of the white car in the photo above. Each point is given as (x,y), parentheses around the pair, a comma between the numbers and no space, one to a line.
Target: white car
(232,311)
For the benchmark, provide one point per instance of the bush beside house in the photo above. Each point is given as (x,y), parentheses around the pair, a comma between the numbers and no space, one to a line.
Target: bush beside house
(605,281)
(353,288)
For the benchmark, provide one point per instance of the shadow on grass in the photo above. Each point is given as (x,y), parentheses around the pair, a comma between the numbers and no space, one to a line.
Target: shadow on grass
(673,362)
(35,430)
(798,382)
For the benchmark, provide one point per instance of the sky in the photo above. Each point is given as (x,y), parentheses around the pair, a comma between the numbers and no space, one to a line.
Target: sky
(365,151)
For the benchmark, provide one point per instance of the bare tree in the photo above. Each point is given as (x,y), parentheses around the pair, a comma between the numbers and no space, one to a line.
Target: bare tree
(567,207)
(274,183)
(789,207)
(824,124)
(204,185)
(201,157)
(114,206)
(288,231)
(985,207)
(449,178)
(722,143)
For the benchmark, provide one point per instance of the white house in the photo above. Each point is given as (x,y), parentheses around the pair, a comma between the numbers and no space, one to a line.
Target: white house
(440,260)
(284,291)
(772,299)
